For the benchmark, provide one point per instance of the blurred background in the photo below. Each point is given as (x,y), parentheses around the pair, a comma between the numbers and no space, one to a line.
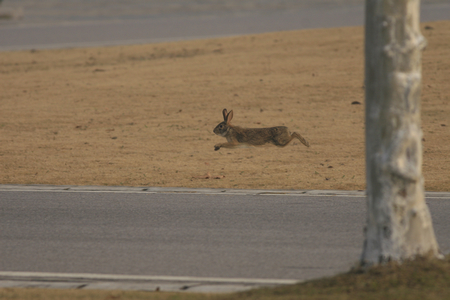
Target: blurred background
(66,23)
(56,11)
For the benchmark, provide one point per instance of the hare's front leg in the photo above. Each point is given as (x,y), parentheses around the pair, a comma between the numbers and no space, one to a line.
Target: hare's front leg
(225,145)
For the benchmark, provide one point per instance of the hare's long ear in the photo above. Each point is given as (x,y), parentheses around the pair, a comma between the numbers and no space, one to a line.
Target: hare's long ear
(229,117)
(225,113)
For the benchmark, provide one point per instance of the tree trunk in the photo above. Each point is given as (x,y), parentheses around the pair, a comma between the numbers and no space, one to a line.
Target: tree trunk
(399,224)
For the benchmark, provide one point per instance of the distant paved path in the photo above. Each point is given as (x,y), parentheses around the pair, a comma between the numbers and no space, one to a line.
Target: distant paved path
(42,36)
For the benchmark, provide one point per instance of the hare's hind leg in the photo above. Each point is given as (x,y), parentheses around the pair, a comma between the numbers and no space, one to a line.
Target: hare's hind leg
(284,138)
(300,138)
(281,137)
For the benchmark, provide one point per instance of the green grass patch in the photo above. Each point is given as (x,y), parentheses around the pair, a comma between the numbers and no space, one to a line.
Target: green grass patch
(418,279)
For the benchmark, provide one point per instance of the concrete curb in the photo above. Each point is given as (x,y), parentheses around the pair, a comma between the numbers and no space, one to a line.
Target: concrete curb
(181,190)
(172,190)
(131,282)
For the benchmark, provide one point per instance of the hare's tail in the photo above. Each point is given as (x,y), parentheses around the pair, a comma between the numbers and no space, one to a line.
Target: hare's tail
(300,138)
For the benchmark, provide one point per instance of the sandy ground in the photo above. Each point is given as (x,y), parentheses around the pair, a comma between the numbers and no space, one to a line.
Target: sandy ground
(143,115)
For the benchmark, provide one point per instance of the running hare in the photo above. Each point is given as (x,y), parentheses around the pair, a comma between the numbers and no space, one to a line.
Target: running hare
(237,136)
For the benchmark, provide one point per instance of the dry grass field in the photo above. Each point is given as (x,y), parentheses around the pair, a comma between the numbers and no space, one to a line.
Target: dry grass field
(143,115)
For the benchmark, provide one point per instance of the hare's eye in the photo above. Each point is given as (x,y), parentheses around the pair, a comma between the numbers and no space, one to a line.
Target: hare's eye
(220,126)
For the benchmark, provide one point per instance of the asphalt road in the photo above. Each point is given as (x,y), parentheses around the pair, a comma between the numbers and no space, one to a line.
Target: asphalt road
(200,233)
(18,36)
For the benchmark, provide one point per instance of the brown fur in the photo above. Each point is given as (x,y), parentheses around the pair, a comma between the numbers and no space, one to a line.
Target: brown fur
(237,136)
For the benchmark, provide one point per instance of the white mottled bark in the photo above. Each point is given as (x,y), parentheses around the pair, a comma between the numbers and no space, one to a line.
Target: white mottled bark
(399,224)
